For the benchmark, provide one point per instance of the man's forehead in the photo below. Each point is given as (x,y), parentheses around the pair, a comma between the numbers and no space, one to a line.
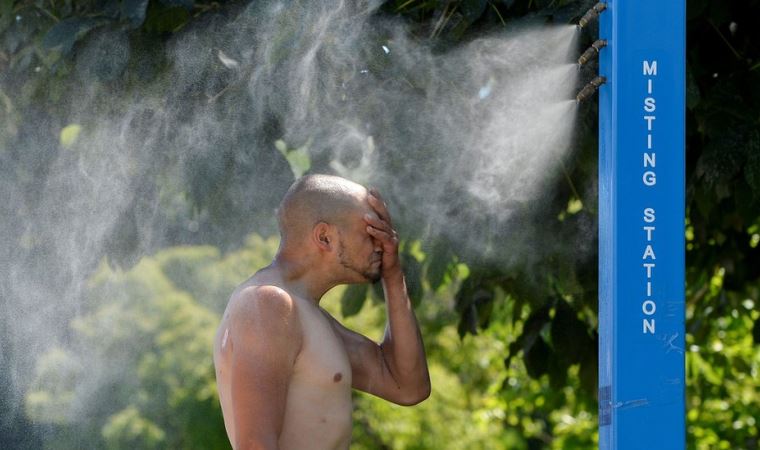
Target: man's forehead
(361,206)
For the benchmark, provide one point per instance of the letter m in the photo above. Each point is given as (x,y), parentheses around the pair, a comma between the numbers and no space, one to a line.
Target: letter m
(650,68)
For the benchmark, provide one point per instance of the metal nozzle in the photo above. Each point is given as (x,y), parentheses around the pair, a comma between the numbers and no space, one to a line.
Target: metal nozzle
(592,51)
(592,14)
(590,88)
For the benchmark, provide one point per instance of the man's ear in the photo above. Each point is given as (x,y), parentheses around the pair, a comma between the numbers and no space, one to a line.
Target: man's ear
(323,235)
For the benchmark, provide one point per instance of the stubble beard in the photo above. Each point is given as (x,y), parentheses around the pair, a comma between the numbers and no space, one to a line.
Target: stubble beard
(369,275)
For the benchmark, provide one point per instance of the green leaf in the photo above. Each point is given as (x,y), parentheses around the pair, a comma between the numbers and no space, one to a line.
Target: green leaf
(298,159)
(438,263)
(537,358)
(569,335)
(376,293)
(531,331)
(413,275)
(353,299)
(483,302)
(63,35)
(557,370)
(69,135)
(463,297)
(589,373)
(6,14)
(468,323)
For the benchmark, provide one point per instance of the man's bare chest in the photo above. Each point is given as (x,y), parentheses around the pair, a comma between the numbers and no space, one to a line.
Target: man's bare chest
(323,362)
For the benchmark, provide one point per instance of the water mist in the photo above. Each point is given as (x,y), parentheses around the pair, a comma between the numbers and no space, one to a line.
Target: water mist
(458,140)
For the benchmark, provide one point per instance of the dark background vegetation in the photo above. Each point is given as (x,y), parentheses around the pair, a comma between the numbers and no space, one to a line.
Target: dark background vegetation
(552,310)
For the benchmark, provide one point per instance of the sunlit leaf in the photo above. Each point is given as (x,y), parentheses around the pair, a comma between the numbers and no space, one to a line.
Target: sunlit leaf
(69,135)
(298,159)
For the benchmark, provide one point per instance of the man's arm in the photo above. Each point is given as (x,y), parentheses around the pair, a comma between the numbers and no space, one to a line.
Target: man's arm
(266,339)
(395,370)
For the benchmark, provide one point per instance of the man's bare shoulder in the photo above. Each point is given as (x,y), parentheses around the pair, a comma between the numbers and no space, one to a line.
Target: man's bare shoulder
(264,309)
(268,297)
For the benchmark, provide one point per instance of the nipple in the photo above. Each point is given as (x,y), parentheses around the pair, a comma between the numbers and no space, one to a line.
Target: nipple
(338,376)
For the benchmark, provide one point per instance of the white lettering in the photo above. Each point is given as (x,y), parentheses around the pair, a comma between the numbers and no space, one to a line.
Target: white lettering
(649,267)
(649,105)
(649,178)
(650,68)
(649,215)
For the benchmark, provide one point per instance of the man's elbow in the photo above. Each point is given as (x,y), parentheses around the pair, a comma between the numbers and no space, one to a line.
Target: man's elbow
(418,395)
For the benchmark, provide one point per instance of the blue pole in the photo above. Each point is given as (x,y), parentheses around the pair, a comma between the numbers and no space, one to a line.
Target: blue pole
(641,226)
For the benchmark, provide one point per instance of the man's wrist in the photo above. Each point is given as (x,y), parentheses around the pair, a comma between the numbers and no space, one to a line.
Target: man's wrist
(395,275)
(394,284)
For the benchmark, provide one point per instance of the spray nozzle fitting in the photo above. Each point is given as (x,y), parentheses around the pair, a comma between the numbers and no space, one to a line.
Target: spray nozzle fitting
(592,51)
(590,88)
(592,14)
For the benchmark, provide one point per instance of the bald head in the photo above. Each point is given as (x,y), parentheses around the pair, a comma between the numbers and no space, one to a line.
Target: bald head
(317,198)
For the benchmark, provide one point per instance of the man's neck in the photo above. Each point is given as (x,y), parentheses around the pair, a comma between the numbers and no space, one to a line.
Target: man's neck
(294,276)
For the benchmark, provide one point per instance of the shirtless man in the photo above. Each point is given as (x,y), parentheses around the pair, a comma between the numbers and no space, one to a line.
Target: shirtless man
(284,366)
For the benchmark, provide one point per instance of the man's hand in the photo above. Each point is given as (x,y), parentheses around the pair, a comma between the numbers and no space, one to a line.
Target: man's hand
(381,228)
(395,370)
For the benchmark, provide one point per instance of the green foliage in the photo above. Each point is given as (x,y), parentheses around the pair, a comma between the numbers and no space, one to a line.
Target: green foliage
(151,343)
(723,209)
(128,429)
(138,371)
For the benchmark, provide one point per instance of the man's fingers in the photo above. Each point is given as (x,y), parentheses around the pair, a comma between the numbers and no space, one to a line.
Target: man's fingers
(377,223)
(382,235)
(376,201)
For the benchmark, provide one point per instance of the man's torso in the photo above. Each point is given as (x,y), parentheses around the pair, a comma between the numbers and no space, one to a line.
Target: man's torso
(318,409)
